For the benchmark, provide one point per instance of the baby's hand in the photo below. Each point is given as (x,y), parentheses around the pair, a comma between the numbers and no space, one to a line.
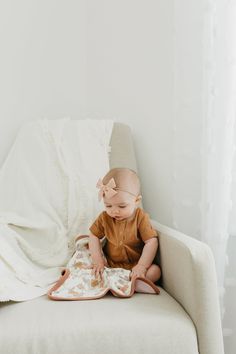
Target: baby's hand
(98,268)
(138,271)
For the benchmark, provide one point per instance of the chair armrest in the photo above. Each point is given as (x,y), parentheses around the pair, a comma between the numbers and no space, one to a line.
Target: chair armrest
(188,275)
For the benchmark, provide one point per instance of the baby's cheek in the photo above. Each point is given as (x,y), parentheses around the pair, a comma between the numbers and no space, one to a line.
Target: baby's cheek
(129,212)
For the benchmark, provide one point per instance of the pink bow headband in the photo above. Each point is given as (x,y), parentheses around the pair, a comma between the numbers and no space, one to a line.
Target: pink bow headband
(108,190)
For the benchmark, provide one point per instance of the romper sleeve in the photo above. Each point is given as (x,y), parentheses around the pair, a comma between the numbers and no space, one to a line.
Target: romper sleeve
(146,231)
(97,228)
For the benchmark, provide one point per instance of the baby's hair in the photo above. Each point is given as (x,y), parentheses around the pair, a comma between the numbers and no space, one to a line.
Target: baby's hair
(125,179)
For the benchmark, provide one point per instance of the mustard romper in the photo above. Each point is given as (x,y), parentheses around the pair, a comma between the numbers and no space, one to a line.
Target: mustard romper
(125,238)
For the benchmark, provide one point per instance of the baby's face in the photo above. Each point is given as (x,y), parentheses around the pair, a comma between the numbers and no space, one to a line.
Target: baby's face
(121,206)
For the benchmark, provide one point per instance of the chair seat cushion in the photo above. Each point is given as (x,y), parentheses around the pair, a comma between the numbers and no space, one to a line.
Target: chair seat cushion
(143,323)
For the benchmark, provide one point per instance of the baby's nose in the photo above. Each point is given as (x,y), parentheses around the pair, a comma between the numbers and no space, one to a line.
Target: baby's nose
(115,211)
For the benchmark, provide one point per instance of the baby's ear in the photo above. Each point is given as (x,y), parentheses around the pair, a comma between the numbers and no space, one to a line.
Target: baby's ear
(138,199)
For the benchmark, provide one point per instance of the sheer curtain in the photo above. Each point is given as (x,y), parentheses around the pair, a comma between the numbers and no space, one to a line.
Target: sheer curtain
(203,142)
(218,143)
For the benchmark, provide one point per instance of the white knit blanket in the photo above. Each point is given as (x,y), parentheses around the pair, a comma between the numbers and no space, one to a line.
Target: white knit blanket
(47,197)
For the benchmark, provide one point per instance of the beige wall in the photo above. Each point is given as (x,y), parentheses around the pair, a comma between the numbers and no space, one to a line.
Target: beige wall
(43,63)
(133,61)
(94,59)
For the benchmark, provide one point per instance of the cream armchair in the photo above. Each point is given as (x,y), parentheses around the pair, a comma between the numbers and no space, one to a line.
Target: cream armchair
(183,319)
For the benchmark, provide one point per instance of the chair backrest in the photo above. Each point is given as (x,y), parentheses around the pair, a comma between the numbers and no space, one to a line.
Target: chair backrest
(123,154)
(122,149)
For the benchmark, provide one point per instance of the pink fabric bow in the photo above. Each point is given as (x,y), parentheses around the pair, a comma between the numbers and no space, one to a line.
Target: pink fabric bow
(106,189)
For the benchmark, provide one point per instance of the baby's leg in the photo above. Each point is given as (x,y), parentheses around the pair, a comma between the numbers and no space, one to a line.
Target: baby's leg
(153,274)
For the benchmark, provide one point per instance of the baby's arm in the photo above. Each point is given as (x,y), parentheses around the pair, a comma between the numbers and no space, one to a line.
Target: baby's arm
(96,255)
(146,259)
(149,252)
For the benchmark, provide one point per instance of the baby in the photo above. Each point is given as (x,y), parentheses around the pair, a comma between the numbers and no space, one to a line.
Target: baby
(131,241)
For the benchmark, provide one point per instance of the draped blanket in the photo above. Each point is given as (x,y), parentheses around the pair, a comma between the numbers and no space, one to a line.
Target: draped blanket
(47,197)
(78,283)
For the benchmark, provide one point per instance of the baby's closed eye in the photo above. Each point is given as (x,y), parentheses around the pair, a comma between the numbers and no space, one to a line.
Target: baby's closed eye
(120,206)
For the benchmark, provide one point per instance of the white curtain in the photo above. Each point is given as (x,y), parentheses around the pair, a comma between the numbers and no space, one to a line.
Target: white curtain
(218,143)
(204,94)
(202,133)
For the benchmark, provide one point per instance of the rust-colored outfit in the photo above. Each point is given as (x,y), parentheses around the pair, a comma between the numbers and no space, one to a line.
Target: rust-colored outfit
(125,238)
